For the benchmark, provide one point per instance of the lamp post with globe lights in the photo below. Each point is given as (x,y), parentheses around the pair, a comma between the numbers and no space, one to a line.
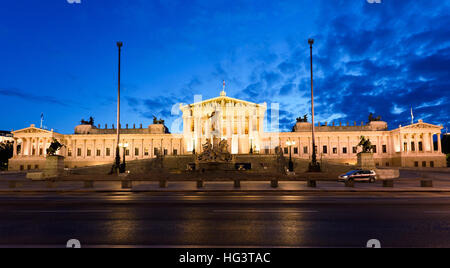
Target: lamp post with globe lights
(314,166)
(291,163)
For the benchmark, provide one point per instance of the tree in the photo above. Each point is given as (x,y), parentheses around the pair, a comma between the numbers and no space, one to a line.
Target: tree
(54,147)
(6,152)
(366,145)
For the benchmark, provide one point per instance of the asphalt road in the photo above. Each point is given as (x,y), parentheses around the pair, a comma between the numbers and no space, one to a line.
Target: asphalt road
(213,220)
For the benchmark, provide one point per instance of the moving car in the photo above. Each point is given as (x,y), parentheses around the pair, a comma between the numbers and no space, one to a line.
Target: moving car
(359,175)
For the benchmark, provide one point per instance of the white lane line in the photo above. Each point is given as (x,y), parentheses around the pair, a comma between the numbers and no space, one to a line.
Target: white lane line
(265,211)
(62,211)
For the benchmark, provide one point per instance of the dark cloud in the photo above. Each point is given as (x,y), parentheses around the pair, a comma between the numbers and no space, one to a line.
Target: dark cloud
(16,93)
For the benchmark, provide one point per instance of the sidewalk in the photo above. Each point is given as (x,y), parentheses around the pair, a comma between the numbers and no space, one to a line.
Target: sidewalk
(294,187)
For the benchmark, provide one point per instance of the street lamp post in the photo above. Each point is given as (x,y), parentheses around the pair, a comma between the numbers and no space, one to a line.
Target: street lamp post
(314,166)
(291,163)
(117,164)
(251,145)
(124,146)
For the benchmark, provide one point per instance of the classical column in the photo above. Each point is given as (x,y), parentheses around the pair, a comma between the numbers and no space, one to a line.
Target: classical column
(151,149)
(30,147)
(141,153)
(439,142)
(432,142)
(416,143)
(94,151)
(402,147)
(84,148)
(74,149)
(171,147)
(22,147)
(103,153)
(15,147)
(250,124)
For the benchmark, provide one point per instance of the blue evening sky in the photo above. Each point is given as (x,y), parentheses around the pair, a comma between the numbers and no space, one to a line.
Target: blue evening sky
(60,59)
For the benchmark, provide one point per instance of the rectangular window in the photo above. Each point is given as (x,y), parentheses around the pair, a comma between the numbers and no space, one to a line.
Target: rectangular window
(127,152)
(146,151)
(166,152)
(387,164)
(432,164)
(413,147)
(88,152)
(99,152)
(108,151)
(155,151)
(175,152)
(416,164)
(266,151)
(325,149)
(374,149)
(335,151)
(33,152)
(69,153)
(344,150)
(21,167)
(295,150)
(355,150)
(41,151)
(29,167)
(305,149)
(286,150)
(420,146)
(79,152)
(405,147)
(36,167)
(136,151)
(424,164)
(384,149)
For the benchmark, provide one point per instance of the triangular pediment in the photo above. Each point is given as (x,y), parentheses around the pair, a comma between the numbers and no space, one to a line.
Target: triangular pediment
(422,125)
(32,130)
(224,100)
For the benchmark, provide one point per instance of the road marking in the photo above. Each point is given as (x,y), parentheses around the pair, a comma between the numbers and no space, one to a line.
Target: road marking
(265,211)
(63,211)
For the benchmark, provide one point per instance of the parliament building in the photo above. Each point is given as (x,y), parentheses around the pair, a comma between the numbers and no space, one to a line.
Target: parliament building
(241,123)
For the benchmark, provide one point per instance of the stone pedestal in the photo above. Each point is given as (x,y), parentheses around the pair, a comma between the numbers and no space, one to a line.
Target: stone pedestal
(54,166)
(365,161)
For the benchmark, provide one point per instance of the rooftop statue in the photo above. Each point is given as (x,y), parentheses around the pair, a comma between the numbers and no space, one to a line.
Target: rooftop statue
(157,122)
(90,122)
(372,118)
(303,120)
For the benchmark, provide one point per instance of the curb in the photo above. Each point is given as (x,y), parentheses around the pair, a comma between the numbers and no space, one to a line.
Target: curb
(229,191)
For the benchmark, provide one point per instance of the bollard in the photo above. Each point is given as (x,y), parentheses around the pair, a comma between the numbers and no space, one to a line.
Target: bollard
(312,183)
(274,183)
(88,184)
(163,183)
(426,183)
(200,184)
(237,183)
(388,183)
(127,184)
(350,183)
